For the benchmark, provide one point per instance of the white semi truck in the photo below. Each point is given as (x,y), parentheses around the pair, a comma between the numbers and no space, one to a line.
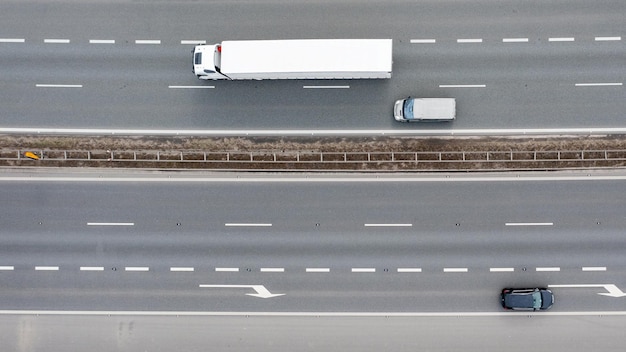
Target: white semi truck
(294,59)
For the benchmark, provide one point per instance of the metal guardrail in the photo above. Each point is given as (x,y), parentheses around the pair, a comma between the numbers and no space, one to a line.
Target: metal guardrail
(304,157)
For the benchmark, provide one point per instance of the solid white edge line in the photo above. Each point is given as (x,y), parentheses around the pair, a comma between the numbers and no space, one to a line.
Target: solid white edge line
(179,269)
(326,87)
(515,177)
(56,41)
(272,270)
(388,225)
(191,87)
(246,225)
(137,268)
(147,41)
(317,270)
(598,84)
(462,86)
(529,224)
(501,270)
(12,40)
(594,268)
(47,268)
(555,268)
(515,40)
(110,224)
(476,40)
(423,41)
(313,314)
(321,132)
(455,270)
(409,270)
(561,39)
(604,39)
(363,270)
(226,269)
(91,268)
(101,41)
(7,268)
(58,85)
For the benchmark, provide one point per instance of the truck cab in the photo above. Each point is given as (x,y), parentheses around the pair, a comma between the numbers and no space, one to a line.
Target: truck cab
(206,62)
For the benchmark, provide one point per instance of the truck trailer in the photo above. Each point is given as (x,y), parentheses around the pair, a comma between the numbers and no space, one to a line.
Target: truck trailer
(294,59)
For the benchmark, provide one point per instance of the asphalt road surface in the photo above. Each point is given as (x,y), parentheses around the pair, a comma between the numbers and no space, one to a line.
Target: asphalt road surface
(165,261)
(120,64)
(335,246)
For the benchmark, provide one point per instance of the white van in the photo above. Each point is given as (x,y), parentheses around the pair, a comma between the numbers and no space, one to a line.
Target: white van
(425,109)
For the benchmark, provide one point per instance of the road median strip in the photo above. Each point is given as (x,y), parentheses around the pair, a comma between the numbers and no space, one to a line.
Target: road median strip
(316,153)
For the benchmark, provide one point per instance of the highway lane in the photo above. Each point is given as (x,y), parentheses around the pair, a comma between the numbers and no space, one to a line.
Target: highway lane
(126,84)
(344,246)
(312,333)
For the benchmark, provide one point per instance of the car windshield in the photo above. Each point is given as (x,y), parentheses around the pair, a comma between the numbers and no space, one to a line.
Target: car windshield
(536,300)
(408,108)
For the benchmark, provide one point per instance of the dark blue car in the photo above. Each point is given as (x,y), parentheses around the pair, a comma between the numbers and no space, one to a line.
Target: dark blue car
(526,298)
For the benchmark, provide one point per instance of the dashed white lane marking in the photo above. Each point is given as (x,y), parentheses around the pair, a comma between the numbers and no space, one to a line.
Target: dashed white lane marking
(554,268)
(325,87)
(137,268)
(91,268)
(193,42)
(529,224)
(409,270)
(58,85)
(455,270)
(101,41)
(605,39)
(12,40)
(462,86)
(7,268)
(110,224)
(227,269)
(472,40)
(561,39)
(501,270)
(184,269)
(423,41)
(317,270)
(147,41)
(515,40)
(56,41)
(47,268)
(191,87)
(363,270)
(272,270)
(598,84)
(594,268)
(388,225)
(247,224)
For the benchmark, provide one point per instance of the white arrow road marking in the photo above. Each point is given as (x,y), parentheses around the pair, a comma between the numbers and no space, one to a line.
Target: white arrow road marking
(614,291)
(261,291)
